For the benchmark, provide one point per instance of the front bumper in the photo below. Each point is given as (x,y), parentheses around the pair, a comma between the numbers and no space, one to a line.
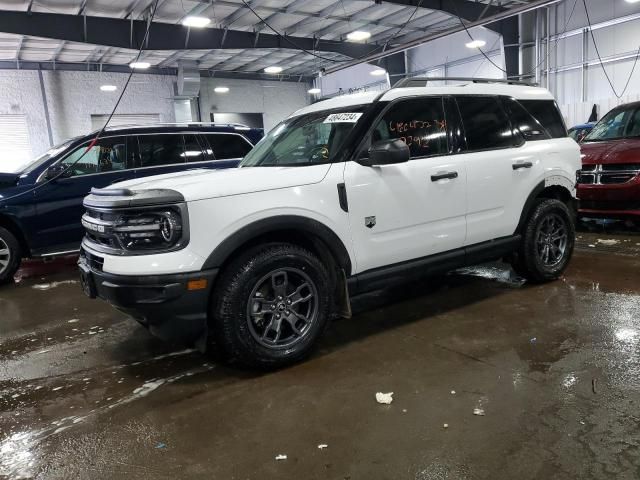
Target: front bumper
(610,201)
(173,307)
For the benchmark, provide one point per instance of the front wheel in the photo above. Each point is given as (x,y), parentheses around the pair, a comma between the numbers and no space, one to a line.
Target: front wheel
(10,255)
(547,243)
(271,305)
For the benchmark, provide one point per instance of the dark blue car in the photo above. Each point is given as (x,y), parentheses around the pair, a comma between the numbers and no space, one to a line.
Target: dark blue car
(40,217)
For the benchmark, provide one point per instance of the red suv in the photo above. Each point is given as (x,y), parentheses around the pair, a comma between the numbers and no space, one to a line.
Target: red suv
(609,182)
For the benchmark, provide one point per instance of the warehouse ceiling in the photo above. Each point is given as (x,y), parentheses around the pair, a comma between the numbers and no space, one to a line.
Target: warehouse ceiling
(243,37)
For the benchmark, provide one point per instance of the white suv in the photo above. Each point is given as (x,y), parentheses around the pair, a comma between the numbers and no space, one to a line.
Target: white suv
(345,196)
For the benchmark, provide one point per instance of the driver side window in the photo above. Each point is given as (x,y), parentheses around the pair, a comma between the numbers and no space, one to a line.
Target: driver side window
(108,154)
(420,123)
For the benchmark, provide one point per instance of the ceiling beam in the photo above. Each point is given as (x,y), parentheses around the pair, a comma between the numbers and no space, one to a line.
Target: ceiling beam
(466,9)
(116,32)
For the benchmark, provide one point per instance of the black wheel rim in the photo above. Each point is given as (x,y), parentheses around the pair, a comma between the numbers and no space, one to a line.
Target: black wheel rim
(551,240)
(282,308)
(5,255)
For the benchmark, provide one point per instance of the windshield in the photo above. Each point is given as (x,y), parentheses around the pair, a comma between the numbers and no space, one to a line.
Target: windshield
(309,139)
(30,165)
(615,125)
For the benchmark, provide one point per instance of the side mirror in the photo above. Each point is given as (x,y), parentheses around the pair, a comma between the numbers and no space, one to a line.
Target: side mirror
(55,171)
(386,152)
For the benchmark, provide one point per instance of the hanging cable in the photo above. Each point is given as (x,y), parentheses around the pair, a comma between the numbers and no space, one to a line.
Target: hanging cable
(101,131)
(298,47)
(604,70)
(546,57)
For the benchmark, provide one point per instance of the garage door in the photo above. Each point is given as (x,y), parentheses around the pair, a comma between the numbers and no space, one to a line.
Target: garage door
(15,149)
(97,121)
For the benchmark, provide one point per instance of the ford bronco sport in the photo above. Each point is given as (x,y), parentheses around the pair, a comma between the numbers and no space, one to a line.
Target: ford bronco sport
(347,195)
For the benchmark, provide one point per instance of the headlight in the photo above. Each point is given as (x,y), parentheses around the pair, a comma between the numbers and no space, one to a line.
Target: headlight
(137,231)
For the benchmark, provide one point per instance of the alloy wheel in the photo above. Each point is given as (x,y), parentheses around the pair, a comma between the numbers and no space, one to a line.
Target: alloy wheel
(552,238)
(282,308)
(5,255)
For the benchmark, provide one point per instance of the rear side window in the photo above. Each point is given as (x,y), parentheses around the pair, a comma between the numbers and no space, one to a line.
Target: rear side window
(486,125)
(192,149)
(547,113)
(522,120)
(420,123)
(226,145)
(158,150)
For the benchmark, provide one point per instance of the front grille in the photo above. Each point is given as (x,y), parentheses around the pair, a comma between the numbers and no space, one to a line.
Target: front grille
(609,174)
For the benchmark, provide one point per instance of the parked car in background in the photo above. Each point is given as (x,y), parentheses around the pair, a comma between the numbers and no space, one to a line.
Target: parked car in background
(609,182)
(40,217)
(578,132)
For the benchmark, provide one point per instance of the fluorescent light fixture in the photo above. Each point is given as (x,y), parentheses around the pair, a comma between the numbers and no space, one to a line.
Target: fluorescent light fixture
(632,1)
(221,89)
(273,69)
(358,36)
(378,72)
(140,65)
(108,88)
(195,21)
(314,91)
(476,44)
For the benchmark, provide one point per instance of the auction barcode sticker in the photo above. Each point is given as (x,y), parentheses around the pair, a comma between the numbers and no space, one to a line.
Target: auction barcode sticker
(343,118)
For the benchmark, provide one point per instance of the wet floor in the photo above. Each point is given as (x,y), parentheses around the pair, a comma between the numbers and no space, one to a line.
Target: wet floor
(86,393)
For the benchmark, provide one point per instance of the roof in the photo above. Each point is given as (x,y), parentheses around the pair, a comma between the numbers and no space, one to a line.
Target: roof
(521,92)
(390,23)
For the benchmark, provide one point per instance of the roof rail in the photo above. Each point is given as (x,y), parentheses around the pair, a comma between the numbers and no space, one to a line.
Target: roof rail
(423,81)
(178,124)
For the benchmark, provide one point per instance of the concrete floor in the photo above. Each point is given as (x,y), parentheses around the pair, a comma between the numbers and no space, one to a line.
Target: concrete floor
(87,393)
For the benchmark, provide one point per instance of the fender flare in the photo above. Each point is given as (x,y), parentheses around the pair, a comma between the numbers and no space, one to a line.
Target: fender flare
(305,225)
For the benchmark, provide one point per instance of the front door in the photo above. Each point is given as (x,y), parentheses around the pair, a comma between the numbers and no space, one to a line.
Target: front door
(415,209)
(59,203)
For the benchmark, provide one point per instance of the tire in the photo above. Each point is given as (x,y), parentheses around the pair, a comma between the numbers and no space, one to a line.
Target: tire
(543,256)
(253,320)
(10,255)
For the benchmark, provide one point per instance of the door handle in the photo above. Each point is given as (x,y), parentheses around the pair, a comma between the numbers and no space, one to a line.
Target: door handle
(519,165)
(444,176)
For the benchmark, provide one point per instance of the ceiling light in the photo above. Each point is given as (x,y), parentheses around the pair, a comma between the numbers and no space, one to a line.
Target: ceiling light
(108,88)
(313,91)
(476,44)
(221,89)
(632,1)
(273,69)
(195,22)
(378,72)
(358,36)
(140,65)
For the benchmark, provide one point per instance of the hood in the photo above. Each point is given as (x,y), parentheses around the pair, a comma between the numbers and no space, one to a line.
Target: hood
(200,184)
(8,179)
(614,151)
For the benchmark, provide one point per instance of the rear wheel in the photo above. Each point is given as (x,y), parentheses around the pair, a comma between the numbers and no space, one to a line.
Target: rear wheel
(547,243)
(271,306)
(10,255)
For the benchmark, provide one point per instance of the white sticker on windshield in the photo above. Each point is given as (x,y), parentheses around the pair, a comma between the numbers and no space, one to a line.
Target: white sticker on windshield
(343,118)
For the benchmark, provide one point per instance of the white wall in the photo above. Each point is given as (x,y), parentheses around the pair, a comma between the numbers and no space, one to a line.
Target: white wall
(72,97)
(20,94)
(275,100)
(576,99)
(450,57)
(356,78)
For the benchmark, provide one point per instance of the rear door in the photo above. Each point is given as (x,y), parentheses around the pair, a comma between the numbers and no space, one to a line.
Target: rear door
(59,203)
(225,149)
(501,167)
(159,153)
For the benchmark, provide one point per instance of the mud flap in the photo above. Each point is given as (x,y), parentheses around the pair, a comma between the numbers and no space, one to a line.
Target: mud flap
(343,302)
